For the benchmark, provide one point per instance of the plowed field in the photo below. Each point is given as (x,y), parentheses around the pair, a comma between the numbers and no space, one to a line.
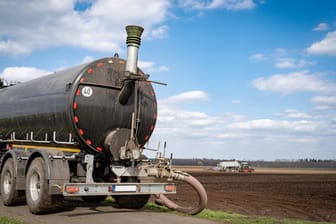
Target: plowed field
(310,196)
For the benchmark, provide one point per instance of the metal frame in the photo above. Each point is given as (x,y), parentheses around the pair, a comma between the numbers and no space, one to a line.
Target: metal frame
(92,189)
(30,139)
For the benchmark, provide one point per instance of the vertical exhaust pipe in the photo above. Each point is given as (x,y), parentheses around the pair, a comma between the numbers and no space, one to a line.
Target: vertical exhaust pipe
(133,42)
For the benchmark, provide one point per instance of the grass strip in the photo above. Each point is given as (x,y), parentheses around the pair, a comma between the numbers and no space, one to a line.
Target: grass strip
(6,220)
(234,218)
(208,214)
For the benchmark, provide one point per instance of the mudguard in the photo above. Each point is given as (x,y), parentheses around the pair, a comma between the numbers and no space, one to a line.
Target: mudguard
(57,169)
(19,166)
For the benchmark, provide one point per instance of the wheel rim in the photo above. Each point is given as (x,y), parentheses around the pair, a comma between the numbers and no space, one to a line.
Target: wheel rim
(34,186)
(7,184)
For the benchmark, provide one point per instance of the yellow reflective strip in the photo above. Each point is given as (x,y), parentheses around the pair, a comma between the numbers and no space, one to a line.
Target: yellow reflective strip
(46,147)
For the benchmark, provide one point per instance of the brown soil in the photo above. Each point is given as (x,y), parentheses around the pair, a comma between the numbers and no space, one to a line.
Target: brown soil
(301,196)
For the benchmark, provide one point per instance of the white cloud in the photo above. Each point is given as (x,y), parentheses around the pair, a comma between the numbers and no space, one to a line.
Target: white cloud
(39,24)
(194,4)
(294,82)
(22,74)
(257,57)
(174,120)
(268,124)
(87,59)
(292,113)
(304,63)
(289,63)
(160,32)
(215,4)
(149,67)
(326,46)
(10,47)
(324,103)
(231,4)
(330,100)
(285,63)
(284,59)
(280,52)
(232,135)
(235,101)
(321,27)
(195,95)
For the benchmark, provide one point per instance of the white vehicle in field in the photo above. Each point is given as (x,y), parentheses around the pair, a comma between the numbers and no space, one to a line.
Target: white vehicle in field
(234,166)
(229,166)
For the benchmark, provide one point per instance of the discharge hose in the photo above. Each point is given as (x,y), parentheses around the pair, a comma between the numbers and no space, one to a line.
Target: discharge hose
(197,186)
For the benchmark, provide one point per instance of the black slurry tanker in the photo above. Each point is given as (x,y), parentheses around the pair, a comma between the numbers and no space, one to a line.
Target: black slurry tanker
(81,132)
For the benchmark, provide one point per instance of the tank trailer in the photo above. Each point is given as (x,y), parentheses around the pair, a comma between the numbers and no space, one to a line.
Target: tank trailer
(234,166)
(81,132)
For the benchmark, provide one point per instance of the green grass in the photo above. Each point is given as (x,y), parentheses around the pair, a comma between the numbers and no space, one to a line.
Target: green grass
(6,220)
(220,216)
(235,218)
(242,219)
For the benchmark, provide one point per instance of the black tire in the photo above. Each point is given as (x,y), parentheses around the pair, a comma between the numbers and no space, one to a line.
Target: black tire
(37,190)
(132,201)
(94,199)
(9,195)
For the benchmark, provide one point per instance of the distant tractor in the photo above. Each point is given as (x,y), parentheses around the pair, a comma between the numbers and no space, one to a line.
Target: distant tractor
(234,166)
(245,167)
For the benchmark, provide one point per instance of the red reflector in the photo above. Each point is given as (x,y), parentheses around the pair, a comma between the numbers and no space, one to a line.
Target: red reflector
(82,79)
(89,142)
(99,149)
(77,92)
(89,70)
(81,132)
(74,105)
(100,64)
(71,189)
(170,187)
(76,119)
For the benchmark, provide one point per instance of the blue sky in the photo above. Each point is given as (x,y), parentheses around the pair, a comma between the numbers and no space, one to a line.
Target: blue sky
(246,79)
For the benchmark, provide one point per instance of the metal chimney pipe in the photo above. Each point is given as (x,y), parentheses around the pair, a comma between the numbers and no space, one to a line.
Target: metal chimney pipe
(133,42)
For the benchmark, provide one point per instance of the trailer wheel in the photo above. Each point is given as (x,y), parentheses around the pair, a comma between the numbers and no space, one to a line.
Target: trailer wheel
(131,201)
(37,190)
(9,194)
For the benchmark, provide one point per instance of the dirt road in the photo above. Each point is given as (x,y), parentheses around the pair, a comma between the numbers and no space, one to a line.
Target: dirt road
(97,214)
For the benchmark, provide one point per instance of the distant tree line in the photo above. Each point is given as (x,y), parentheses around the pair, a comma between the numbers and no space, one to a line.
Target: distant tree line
(300,163)
(281,163)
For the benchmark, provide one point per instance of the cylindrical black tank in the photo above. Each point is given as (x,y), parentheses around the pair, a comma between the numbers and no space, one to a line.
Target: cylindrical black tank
(83,101)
